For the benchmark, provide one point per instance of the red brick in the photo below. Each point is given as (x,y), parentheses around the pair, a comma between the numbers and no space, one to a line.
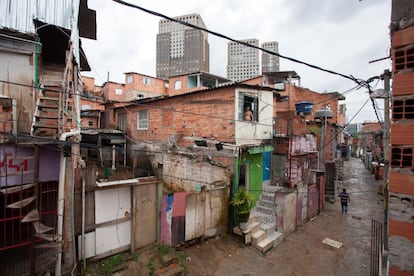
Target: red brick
(402,183)
(401,229)
(402,133)
(403,84)
(403,37)
(395,271)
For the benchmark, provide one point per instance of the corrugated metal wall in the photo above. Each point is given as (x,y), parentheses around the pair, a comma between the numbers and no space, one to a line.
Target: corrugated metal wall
(19,14)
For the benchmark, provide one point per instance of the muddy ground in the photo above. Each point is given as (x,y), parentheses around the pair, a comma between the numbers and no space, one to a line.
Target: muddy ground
(302,252)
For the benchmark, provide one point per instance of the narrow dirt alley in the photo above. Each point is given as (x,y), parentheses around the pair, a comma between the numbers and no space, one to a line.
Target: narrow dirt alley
(302,252)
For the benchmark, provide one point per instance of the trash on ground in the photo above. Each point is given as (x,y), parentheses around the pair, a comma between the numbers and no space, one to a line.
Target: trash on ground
(332,243)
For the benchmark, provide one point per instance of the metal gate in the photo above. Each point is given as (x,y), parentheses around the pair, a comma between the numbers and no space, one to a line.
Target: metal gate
(376,246)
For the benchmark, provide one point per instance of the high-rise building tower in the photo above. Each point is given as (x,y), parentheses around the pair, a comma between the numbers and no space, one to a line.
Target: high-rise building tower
(270,63)
(182,49)
(242,61)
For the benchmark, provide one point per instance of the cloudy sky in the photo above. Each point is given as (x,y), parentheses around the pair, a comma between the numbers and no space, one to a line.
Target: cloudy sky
(339,35)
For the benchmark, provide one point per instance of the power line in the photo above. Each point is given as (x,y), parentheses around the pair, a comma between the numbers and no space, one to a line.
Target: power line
(350,77)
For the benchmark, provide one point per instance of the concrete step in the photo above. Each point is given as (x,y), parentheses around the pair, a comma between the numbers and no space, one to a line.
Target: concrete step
(265,245)
(266,204)
(264,218)
(258,236)
(277,238)
(265,210)
(270,241)
(251,228)
(269,228)
(267,197)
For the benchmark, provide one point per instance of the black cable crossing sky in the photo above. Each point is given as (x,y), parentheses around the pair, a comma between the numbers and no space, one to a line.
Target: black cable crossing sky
(350,77)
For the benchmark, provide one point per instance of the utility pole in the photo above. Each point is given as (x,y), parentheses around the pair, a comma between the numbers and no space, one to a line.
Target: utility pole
(385,94)
(386,77)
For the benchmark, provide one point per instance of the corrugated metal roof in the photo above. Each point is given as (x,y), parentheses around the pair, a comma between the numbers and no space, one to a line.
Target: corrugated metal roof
(19,14)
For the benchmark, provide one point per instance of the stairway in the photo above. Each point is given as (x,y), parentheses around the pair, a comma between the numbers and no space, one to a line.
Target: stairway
(45,244)
(261,231)
(52,103)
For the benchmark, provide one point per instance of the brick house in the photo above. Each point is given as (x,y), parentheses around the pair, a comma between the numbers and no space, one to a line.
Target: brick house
(401,177)
(303,129)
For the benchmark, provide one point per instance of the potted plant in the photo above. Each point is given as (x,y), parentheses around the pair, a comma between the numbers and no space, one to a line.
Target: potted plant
(243,203)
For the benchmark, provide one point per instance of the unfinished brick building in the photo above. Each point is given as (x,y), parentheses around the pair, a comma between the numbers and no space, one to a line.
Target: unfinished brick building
(401,176)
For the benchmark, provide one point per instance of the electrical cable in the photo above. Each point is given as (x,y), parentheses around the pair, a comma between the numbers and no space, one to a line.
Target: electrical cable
(350,77)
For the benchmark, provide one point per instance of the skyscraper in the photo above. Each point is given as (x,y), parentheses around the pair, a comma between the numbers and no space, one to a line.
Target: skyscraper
(270,63)
(242,61)
(182,49)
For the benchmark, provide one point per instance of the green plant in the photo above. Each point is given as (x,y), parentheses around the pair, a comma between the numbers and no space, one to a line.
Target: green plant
(151,267)
(182,262)
(106,266)
(164,249)
(243,203)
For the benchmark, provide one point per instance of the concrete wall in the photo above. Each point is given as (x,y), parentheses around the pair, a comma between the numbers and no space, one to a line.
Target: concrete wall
(146,215)
(401,231)
(181,173)
(286,211)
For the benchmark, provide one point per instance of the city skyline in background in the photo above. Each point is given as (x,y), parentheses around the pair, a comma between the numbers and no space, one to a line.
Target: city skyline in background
(336,43)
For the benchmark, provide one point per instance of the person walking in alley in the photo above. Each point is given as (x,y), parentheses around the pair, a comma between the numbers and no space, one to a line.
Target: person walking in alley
(344,200)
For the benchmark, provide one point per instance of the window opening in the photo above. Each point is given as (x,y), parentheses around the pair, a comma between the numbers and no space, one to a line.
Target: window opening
(142,119)
(248,108)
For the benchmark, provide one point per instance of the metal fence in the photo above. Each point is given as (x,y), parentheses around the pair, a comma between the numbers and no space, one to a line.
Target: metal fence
(376,246)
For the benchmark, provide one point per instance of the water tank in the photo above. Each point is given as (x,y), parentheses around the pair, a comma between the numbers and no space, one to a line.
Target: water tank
(323,113)
(304,107)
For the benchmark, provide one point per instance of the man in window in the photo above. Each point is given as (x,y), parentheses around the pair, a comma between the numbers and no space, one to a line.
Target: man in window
(248,114)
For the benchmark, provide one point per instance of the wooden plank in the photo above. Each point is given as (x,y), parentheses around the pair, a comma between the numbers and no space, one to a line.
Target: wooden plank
(15,189)
(40,228)
(33,215)
(22,203)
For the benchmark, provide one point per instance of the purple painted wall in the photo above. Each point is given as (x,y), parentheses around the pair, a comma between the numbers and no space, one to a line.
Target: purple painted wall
(18,164)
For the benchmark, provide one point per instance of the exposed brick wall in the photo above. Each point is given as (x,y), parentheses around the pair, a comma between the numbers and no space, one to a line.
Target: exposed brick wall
(403,84)
(155,85)
(179,116)
(172,91)
(401,177)
(400,133)
(109,89)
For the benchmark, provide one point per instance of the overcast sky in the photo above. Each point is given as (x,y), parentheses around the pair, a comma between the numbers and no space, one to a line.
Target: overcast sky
(339,35)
